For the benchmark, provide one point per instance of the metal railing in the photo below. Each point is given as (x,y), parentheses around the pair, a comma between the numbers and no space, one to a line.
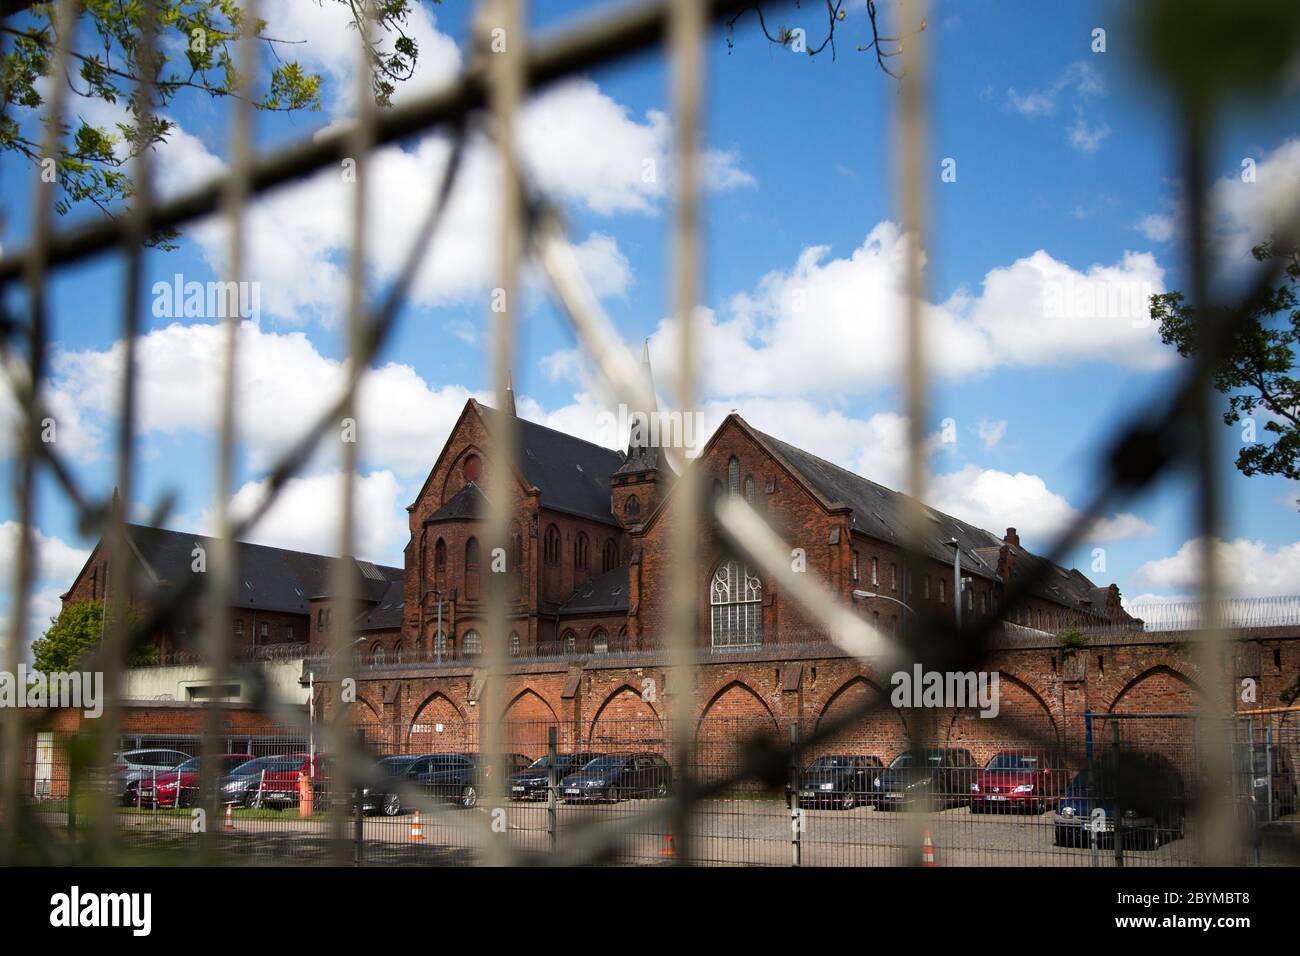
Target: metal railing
(486,99)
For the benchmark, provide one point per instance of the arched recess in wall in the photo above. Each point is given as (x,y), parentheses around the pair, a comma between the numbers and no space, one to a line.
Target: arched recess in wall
(460,470)
(1024,721)
(440,726)
(1158,689)
(735,715)
(366,717)
(526,723)
(881,733)
(625,720)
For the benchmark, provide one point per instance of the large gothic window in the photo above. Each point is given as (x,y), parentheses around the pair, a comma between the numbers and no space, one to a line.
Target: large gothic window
(551,545)
(733,476)
(610,560)
(581,552)
(471,644)
(736,602)
(633,508)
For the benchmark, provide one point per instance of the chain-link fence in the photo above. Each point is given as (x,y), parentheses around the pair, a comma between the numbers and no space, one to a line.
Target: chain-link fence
(682,790)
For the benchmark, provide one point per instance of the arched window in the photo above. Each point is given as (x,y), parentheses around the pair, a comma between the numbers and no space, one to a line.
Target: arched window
(736,599)
(632,508)
(471,644)
(472,468)
(733,476)
(471,568)
(610,561)
(516,548)
(440,557)
(854,574)
(514,643)
(551,545)
(397,653)
(941,591)
(581,551)
(599,641)
(875,571)
(749,489)
(893,576)
(570,641)
(377,655)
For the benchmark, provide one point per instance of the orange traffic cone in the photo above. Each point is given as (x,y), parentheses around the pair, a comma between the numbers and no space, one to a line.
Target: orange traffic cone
(230,820)
(668,849)
(927,851)
(417,835)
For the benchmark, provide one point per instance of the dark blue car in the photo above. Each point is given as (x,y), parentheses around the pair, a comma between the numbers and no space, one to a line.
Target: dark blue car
(1145,787)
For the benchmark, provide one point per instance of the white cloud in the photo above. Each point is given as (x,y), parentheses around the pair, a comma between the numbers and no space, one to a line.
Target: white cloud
(283,384)
(1249,568)
(994,499)
(1087,139)
(1079,78)
(991,432)
(305,514)
(56,565)
(1158,227)
(834,326)
(1246,213)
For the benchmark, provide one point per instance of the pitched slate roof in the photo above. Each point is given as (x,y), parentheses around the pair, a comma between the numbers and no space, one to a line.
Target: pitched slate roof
(604,593)
(572,474)
(469,502)
(271,579)
(386,615)
(880,512)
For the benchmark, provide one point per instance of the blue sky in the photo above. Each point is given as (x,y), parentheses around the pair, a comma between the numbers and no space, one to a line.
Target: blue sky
(1066,179)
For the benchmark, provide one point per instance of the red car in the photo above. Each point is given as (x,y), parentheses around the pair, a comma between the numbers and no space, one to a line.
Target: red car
(184,781)
(1015,780)
(279,782)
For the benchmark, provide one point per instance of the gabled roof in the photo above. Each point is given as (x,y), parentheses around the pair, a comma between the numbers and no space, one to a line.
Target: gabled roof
(881,512)
(572,474)
(387,613)
(604,593)
(271,579)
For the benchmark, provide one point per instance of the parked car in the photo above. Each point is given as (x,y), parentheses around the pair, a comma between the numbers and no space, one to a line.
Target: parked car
(615,777)
(177,788)
(379,792)
(838,781)
(280,782)
(1018,780)
(459,778)
(1146,789)
(132,766)
(533,782)
(1265,782)
(273,781)
(936,777)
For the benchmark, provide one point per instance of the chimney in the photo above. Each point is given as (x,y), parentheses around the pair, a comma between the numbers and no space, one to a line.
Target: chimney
(1012,537)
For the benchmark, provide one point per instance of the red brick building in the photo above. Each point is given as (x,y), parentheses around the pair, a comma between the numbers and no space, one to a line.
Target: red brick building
(587,562)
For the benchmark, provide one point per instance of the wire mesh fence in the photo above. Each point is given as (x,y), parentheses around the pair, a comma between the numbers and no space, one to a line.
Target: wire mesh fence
(677,789)
(976,799)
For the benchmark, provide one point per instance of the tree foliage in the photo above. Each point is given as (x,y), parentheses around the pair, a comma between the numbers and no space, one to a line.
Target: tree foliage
(76,631)
(1258,375)
(196,52)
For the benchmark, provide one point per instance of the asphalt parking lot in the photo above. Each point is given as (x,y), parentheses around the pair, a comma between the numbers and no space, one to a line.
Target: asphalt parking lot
(726,832)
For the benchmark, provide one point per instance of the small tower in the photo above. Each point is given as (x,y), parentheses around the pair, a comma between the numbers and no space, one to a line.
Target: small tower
(639,485)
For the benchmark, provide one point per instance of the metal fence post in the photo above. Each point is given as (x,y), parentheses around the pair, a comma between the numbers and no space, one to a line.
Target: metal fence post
(1119,812)
(796,812)
(552,784)
(359,819)
(72,798)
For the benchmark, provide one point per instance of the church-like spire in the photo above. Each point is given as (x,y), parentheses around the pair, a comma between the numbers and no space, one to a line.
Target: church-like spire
(510,395)
(642,453)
